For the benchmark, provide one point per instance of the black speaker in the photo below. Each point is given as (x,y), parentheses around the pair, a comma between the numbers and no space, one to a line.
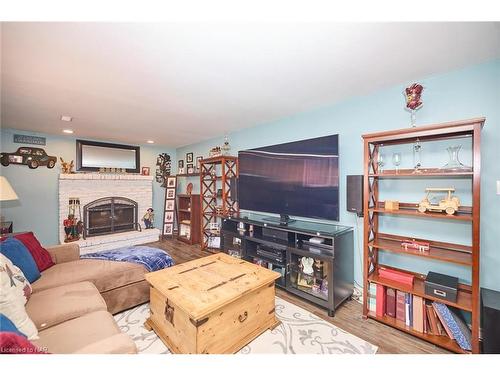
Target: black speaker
(490,317)
(355,194)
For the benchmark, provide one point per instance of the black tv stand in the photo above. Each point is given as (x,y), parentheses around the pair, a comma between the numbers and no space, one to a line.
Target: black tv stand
(283,220)
(315,260)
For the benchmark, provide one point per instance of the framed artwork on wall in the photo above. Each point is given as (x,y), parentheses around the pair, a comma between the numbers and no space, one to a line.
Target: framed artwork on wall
(169,206)
(169,216)
(168,229)
(171,182)
(170,193)
(189,157)
(145,171)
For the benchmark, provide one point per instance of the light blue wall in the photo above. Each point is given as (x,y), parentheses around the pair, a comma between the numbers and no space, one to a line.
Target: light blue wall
(37,189)
(461,94)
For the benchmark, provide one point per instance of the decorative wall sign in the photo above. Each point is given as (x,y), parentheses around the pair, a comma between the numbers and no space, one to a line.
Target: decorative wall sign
(164,163)
(30,139)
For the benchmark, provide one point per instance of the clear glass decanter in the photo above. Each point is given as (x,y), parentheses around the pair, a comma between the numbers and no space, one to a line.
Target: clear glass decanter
(454,163)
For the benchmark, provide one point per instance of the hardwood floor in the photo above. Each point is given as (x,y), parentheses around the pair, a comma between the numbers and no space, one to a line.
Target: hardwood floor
(347,317)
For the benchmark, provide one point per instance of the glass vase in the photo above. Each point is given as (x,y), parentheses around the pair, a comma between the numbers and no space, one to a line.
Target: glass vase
(454,163)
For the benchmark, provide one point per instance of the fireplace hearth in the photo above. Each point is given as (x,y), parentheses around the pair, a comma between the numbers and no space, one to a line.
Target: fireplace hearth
(110,215)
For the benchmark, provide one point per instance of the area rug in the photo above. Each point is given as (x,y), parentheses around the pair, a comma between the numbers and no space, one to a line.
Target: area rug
(300,332)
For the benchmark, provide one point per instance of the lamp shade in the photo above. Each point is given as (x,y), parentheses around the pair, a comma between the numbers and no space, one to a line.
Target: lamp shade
(6,191)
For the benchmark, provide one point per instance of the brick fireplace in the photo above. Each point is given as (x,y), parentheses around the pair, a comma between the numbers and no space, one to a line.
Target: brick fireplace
(112,205)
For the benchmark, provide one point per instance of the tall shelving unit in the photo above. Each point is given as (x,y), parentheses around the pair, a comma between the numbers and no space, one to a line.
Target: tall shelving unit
(374,241)
(216,173)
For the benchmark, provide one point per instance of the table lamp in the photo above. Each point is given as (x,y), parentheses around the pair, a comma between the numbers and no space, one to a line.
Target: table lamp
(6,192)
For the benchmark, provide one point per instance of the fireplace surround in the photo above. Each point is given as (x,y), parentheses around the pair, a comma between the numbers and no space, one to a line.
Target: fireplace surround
(90,187)
(110,215)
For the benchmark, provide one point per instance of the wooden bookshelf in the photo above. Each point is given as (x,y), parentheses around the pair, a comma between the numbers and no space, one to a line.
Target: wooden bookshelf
(422,173)
(464,296)
(443,251)
(216,173)
(442,341)
(375,242)
(188,215)
(410,209)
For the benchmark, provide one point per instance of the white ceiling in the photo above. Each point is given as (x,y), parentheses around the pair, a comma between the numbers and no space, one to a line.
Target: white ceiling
(182,83)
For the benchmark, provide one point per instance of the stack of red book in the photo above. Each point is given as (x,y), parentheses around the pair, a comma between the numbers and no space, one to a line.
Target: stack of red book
(396,276)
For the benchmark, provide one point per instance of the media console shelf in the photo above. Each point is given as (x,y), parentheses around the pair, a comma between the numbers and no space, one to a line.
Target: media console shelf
(314,259)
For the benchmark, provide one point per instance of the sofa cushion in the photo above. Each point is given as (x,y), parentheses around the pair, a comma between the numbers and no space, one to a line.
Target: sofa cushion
(57,305)
(104,274)
(40,255)
(117,344)
(76,334)
(14,292)
(19,255)
(6,325)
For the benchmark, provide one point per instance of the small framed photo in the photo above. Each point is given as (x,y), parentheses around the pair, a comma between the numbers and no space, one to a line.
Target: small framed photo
(181,163)
(145,171)
(168,229)
(169,206)
(171,182)
(170,193)
(169,217)
(198,162)
(189,157)
(190,168)
(181,170)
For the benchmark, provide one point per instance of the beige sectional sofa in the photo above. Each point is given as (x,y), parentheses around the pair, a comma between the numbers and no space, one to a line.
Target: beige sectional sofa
(73,300)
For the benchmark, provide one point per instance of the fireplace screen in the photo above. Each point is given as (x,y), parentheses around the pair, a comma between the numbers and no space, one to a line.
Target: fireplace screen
(110,215)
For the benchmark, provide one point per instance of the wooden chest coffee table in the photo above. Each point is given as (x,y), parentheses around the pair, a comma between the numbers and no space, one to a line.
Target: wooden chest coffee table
(216,304)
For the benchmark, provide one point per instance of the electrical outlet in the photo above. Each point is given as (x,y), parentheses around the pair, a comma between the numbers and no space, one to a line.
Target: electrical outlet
(498,187)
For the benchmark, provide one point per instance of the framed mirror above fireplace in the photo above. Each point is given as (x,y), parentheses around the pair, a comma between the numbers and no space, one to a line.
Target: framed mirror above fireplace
(91,156)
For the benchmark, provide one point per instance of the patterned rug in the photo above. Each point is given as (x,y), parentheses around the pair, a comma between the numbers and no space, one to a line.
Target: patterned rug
(300,332)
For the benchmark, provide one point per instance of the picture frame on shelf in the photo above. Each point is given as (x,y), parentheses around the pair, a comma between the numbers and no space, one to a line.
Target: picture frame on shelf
(181,170)
(190,169)
(145,171)
(171,182)
(189,157)
(198,162)
(170,193)
(169,205)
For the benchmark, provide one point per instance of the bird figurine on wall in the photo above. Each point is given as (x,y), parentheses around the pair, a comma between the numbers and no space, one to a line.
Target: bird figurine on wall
(66,168)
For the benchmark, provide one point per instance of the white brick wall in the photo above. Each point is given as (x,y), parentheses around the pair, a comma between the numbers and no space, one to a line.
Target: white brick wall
(91,186)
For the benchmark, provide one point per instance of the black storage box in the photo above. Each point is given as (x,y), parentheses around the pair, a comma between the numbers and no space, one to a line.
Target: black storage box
(441,286)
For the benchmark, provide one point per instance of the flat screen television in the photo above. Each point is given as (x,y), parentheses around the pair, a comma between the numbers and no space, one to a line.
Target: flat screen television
(297,178)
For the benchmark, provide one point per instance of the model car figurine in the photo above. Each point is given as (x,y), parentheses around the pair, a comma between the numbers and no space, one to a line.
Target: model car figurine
(30,156)
(449,204)
(414,244)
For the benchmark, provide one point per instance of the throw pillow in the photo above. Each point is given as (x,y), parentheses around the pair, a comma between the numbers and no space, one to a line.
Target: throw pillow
(40,255)
(12,343)
(19,255)
(14,293)
(6,325)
